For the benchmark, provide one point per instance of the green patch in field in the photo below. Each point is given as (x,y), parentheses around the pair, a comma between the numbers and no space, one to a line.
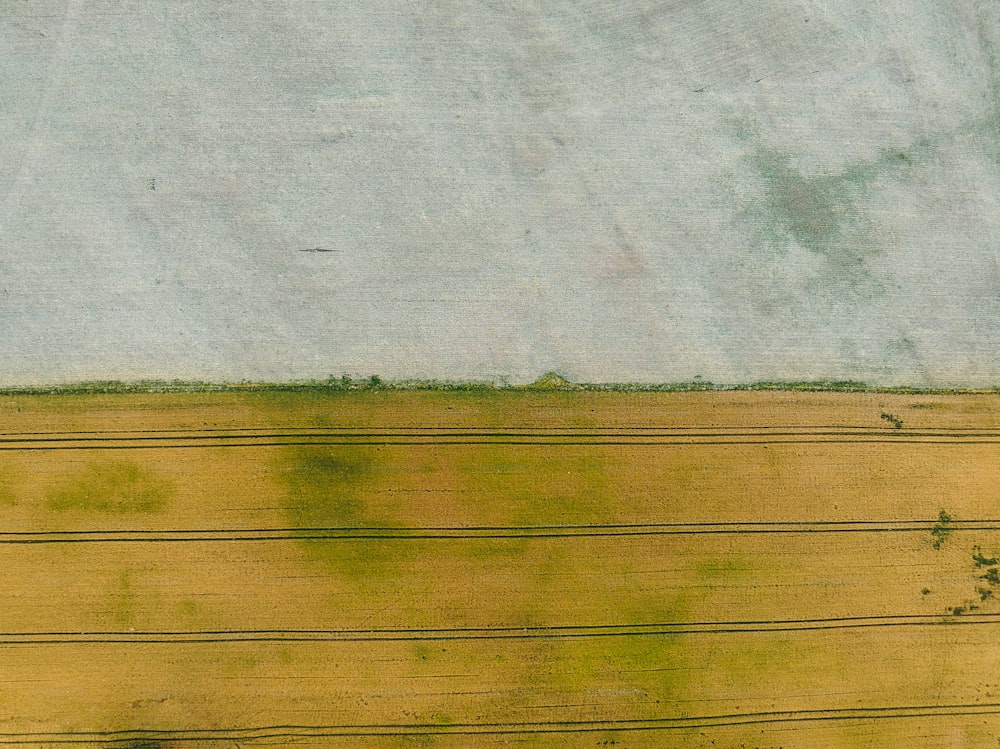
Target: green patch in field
(124,600)
(656,665)
(113,487)
(191,609)
(662,664)
(498,548)
(686,471)
(326,486)
(243,662)
(723,567)
(362,561)
(422,652)
(341,488)
(760,660)
(331,487)
(652,668)
(531,486)
(8,497)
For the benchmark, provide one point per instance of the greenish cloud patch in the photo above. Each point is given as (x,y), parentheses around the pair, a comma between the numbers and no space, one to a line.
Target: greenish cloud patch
(813,211)
(829,215)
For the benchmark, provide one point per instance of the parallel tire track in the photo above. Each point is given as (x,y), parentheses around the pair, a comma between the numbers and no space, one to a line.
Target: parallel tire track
(652,436)
(494,633)
(495,430)
(293,732)
(484,532)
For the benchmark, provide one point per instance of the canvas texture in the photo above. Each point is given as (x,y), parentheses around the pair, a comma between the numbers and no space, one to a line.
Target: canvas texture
(641,191)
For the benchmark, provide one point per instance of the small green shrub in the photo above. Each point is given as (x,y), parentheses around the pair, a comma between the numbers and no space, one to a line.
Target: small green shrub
(942,529)
(983,561)
(894,420)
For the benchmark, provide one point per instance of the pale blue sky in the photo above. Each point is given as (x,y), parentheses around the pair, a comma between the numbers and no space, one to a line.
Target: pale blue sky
(620,191)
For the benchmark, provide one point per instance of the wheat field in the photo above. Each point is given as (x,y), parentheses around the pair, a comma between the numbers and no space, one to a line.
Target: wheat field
(511,568)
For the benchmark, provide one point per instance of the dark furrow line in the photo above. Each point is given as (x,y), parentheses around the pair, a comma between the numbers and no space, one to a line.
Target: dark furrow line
(290,732)
(422,437)
(508,442)
(537,627)
(916,524)
(498,633)
(761,525)
(405,534)
(378,431)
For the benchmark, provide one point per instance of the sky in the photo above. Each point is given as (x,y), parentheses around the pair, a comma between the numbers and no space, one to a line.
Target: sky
(616,190)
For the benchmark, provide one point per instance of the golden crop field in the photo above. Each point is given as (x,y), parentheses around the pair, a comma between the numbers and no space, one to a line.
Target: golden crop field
(511,568)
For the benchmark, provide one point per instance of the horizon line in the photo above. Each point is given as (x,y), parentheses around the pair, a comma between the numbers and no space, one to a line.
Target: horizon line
(549,382)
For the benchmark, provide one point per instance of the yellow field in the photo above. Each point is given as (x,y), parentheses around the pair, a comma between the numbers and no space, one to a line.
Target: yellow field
(552,569)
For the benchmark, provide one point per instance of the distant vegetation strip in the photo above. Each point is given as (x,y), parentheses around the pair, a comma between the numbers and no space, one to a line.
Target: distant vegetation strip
(549,382)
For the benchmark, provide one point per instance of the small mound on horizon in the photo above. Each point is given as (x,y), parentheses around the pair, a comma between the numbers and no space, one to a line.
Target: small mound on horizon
(553,381)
